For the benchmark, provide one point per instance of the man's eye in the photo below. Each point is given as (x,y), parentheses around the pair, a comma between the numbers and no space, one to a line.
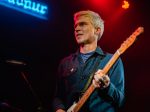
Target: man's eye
(82,24)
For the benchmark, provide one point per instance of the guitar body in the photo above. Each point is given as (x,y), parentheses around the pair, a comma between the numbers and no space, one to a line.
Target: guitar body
(71,109)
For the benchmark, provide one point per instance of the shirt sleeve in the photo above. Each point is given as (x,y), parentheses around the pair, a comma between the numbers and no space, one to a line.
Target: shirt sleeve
(115,91)
(58,97)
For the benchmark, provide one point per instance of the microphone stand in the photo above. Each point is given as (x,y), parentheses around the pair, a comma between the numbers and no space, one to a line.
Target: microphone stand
(40,107)
(20,64)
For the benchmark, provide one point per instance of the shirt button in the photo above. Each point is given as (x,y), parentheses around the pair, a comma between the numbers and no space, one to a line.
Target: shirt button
(82,77)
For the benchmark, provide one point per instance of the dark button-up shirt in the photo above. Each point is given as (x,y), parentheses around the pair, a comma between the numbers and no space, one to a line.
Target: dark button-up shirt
(73,75)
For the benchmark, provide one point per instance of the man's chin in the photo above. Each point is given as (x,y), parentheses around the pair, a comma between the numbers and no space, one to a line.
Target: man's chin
(81,41)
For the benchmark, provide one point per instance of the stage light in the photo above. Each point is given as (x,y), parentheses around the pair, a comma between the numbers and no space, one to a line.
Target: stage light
(125,4)
(30,7)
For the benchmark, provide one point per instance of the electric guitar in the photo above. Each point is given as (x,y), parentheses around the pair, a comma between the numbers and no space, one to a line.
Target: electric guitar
(126,44)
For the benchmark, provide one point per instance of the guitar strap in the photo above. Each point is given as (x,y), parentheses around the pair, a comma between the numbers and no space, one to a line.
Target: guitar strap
(92,74)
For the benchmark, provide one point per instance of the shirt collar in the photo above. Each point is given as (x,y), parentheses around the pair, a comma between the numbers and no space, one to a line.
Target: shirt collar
(98,51)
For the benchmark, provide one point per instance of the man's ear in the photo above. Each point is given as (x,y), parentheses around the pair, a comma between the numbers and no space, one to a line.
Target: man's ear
(97,31)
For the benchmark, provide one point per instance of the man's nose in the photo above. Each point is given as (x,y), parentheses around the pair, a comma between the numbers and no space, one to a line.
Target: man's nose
(77,28)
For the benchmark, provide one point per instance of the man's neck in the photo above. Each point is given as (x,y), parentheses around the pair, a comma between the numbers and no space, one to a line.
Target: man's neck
(87,48)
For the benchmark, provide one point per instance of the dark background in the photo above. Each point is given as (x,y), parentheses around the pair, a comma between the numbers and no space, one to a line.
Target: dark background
(42,44)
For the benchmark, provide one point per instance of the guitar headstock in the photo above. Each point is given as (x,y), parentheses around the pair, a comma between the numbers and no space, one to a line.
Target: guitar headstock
(129,41)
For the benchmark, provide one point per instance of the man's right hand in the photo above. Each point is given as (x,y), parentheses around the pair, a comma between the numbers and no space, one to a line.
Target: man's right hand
(60,110)
(101,80)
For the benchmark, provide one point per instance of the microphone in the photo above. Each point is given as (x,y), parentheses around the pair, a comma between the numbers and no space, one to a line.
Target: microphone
(16,62)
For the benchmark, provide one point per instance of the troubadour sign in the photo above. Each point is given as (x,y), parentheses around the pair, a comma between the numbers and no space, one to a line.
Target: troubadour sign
(30,7)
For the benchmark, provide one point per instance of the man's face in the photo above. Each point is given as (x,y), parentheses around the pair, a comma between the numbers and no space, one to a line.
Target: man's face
(84,30)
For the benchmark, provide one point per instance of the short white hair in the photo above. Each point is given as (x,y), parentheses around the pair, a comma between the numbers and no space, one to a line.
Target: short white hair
(97,21)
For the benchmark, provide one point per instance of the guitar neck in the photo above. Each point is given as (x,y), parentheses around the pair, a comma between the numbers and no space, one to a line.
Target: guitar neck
(90,90)
(111,62)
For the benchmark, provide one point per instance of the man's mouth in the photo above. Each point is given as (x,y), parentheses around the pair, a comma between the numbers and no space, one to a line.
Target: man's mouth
(79,35)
